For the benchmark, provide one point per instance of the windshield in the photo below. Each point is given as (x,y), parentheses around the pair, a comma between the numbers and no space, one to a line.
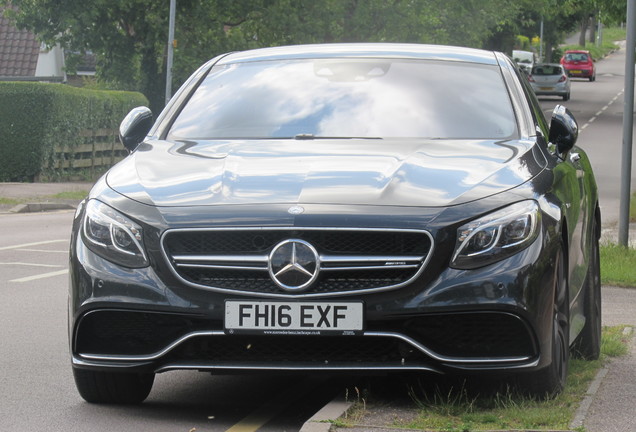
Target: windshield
(547,70)
(576,57)
(348,98)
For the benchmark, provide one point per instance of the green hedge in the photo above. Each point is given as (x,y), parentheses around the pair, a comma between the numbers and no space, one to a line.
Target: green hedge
(35,118)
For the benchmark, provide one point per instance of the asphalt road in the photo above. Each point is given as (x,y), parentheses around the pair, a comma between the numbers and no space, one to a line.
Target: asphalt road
(598,108)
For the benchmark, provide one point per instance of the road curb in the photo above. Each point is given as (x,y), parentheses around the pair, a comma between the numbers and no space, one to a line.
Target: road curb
(40,207)
(582,411)
(322,420)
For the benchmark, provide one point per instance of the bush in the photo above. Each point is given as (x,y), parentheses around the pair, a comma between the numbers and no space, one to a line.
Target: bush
(35,118)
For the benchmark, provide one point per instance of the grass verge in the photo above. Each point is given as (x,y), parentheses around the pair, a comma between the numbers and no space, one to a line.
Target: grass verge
(71,195)
(9,201)
(461,409)
(617,265)
(598,52)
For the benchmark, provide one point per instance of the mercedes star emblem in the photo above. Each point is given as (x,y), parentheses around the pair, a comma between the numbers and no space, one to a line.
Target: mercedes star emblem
(295,210)
(294,264)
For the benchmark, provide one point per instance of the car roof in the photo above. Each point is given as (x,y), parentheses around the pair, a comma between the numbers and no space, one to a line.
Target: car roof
(364,50)
(577,51)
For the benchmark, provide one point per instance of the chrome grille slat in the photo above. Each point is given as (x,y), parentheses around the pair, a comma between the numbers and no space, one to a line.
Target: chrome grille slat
(224,258)
(351,260)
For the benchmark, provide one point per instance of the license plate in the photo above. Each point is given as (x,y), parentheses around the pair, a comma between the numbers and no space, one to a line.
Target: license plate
(546,88)
(293,318)
(576,72)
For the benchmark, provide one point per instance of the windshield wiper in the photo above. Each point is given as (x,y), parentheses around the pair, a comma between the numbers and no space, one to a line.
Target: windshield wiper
(307,136)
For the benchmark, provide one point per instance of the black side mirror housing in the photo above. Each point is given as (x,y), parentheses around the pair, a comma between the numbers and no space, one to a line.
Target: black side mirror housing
(564,130)
(135,126)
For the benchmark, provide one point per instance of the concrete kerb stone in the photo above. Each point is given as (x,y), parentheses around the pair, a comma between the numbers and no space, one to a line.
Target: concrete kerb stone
(322,420)
(40,197)
(40,207)
(582,411)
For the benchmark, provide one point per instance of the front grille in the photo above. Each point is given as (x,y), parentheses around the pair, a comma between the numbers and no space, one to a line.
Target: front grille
(117,332)
(473,334)
(240,350)
(336,241)
(350,259)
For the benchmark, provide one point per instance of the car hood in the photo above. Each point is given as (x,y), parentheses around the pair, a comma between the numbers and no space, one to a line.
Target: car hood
(352,171)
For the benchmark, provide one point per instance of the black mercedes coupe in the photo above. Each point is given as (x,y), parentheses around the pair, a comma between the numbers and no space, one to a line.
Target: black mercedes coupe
(350,208)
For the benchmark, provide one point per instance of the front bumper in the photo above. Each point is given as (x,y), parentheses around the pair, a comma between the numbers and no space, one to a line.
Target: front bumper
(579,73)
(494,318)
(550,90)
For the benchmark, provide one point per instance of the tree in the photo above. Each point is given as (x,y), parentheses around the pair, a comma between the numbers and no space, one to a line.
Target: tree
(129,37)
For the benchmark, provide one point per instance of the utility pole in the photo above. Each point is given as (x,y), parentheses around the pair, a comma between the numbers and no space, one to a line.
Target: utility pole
(173,7)
(541,41)
(599,35)
(628,126)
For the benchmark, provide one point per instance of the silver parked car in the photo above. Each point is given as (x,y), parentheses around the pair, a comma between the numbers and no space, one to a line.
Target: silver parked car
(550,80)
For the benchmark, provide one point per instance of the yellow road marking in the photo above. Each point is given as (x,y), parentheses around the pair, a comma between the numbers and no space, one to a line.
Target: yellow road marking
(268,411)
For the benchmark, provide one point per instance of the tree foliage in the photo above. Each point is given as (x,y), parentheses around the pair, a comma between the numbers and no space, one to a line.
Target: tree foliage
(129,37)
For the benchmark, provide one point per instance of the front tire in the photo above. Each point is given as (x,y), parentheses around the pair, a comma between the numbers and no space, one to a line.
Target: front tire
(550,381)
(588,344)
(113,387)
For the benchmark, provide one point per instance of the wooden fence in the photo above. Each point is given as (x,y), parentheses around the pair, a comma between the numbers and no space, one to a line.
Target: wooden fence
(101,150)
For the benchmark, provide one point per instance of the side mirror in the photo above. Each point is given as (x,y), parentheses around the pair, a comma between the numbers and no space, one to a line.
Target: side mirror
(135,126)
(563,129)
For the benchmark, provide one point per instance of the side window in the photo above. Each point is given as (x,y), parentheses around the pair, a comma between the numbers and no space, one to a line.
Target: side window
(537,112)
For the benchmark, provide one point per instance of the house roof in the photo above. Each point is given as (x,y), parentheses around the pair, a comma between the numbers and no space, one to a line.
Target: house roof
(19,50)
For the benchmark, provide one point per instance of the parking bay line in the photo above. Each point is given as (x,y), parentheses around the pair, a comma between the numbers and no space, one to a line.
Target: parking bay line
(43,251)
(21,246)
(40,276)
(30,264)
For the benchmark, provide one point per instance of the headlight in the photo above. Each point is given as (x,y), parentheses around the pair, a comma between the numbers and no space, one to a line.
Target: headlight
(497,235)
(113,236)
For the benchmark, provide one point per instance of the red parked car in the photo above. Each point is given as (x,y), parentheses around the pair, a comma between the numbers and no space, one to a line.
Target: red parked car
(579,64)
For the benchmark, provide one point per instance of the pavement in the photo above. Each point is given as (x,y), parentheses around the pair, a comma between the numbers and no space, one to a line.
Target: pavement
(610,405)
(36,197)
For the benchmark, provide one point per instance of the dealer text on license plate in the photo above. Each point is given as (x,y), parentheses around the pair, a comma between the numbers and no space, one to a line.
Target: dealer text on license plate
(294,318)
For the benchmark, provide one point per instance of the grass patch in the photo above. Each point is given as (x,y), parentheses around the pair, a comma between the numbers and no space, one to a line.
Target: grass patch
(71,195)
(9,201)
(614,342)
(617,265)
(598,52)
(614,33)
(462,409)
